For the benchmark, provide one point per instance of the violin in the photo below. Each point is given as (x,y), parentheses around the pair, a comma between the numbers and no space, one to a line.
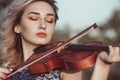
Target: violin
(63,55)
(72,57)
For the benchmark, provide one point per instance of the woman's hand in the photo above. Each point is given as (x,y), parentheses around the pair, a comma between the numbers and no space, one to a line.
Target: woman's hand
(4,72)
(112,56)
(103,62)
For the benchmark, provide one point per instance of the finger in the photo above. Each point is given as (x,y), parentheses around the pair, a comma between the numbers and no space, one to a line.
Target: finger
(117,50)
(3,76)
(114,55)
(112,52)
(116,58)
(6,71)
(103,56)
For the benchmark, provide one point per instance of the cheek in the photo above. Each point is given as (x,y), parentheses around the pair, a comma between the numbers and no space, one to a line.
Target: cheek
(26,26)
(23,26)
(26,30)
(50,31)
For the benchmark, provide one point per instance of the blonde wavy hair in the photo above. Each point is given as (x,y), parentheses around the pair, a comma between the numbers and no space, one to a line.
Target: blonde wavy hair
(10,46)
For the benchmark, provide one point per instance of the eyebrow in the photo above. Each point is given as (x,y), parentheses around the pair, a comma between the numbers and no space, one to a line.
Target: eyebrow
(34,13)
(49,14)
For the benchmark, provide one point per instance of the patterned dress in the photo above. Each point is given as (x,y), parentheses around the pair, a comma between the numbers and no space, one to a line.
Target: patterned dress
(25,75)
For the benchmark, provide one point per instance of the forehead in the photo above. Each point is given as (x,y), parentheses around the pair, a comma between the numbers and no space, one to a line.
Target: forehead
(40,7)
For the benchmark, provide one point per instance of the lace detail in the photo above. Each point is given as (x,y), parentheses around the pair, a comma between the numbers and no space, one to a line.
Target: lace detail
(25,75)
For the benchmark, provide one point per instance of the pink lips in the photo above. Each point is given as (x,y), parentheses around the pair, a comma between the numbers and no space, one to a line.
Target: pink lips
(41,34)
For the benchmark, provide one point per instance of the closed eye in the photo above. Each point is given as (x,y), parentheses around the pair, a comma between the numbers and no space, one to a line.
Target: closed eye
(50,20)
(33,18)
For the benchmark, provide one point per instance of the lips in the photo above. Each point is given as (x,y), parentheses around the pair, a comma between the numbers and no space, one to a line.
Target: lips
(41,34)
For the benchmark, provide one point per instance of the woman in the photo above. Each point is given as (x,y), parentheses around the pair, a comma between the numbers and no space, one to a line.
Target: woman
(29,24)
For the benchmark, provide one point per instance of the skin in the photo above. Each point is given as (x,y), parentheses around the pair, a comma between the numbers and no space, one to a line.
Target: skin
(103,63)
(40,17)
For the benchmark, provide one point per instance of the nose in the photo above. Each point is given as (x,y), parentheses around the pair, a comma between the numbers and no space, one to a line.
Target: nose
(42,25)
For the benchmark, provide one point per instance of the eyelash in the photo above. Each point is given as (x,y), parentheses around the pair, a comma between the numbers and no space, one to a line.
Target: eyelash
(49,21)
(35,19)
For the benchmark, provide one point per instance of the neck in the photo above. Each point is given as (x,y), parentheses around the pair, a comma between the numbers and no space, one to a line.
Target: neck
(27,49)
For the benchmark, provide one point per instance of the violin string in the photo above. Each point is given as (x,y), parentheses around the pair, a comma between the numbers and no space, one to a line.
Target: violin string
(79,35)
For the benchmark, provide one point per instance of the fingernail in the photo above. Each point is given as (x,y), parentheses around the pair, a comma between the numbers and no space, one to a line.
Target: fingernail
(5,77)
(10,70)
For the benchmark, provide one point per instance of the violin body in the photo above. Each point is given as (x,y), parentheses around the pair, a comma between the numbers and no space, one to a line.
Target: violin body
(73,57)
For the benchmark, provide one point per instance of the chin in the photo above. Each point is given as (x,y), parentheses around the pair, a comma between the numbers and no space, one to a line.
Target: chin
(43,42)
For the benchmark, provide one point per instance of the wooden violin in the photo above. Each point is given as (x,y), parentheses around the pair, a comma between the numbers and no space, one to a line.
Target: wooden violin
(72,57)
(63,55)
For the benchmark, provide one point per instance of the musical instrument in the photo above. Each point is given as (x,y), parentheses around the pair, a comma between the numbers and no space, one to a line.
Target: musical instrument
(63,55)
(72,57)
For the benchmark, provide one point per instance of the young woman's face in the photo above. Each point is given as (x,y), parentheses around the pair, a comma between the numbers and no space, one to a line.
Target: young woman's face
(37,23)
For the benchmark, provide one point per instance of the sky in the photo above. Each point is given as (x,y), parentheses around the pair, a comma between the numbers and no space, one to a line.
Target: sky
(83,13)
